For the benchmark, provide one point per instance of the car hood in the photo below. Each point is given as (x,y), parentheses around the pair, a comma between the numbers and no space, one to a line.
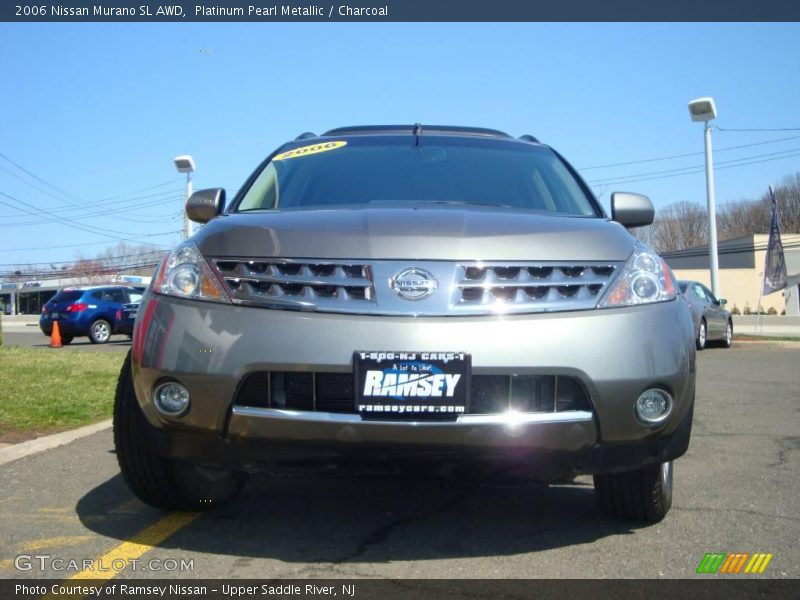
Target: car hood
(419,233)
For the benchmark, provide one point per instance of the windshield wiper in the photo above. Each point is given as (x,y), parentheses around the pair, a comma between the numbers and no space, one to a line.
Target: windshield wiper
(463,203)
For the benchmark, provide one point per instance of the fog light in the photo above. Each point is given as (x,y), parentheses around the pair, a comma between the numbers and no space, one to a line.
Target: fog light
(171,398)
(653,406)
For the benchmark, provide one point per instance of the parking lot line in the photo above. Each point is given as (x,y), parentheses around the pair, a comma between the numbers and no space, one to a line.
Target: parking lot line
(106,567)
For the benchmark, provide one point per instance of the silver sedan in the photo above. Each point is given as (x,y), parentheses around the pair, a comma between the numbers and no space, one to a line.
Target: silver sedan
(712,322)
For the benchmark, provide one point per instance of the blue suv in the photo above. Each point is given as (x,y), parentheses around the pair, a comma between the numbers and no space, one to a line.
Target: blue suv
(87,312)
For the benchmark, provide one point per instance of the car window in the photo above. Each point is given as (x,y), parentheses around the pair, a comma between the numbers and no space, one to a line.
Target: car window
(134,297)
(709,296)
(67,296)
(698,291)
(683,287)
(97,295)
(390,170)
(113,296)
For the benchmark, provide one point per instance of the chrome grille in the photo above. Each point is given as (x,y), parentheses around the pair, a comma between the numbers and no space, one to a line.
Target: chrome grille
(463,288)
(530,287)
(284,283)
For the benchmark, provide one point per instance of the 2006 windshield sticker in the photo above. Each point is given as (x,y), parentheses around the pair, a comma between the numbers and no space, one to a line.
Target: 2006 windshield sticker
(306,150)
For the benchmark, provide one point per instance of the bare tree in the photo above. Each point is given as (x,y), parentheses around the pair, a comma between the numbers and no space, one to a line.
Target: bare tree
(742,218)
(788,194)
(680,225)
(685,224)
(88,270)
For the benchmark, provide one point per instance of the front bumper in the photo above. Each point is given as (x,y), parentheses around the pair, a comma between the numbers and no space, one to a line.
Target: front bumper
(615,353)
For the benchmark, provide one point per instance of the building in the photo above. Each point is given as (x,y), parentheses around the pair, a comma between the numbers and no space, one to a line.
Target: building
(741,270)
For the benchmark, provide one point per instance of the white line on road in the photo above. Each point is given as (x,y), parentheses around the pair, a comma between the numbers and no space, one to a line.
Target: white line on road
(17,451)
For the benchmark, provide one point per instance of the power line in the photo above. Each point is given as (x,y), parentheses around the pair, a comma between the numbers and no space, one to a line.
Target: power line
(700,170)
(84,202)
(130,239)
(77,226)
(83,260)
(41,180)
(756,129)
(66,220)
(70,210)
(99,270)
(722,162)
(688,154)
(84,215)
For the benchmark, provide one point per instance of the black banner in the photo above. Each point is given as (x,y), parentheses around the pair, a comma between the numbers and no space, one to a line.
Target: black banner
(734,588)
(398,10)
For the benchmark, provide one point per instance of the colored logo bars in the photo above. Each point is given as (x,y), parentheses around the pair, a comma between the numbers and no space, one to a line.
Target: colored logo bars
(734,563)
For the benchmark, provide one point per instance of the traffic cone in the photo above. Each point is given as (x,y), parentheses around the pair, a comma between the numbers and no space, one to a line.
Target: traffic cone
(55,336)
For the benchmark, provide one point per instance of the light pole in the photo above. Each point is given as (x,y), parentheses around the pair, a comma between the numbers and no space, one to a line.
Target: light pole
(703,109)
(185,164)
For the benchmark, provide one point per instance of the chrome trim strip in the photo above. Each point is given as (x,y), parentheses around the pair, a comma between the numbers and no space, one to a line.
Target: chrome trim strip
(509,418)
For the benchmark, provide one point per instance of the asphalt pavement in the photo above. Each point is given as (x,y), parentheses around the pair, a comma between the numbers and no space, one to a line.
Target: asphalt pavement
(31,337)
(736,490)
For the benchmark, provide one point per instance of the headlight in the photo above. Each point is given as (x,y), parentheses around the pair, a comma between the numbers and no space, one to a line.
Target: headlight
(644,279)
(186,274)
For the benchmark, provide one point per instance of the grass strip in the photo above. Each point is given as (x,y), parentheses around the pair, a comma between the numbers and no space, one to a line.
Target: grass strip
(44,390)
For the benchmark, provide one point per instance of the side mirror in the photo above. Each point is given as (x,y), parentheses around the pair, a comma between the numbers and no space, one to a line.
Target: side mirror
(631,210)
(722,301)
(204,205)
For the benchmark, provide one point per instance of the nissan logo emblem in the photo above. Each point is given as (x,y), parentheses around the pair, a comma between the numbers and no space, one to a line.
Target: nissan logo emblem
(413,284)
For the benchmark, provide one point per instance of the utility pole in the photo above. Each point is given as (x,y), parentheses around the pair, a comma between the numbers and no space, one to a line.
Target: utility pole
(712,214)
(185,164)
(186,225)
(704,110)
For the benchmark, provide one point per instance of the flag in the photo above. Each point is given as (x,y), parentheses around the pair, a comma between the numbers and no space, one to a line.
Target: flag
(775,263)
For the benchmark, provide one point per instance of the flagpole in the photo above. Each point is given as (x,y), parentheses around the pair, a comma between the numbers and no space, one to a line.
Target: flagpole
(760,296)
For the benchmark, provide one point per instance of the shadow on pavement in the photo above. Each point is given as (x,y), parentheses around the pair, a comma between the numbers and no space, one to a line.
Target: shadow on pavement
(338,519)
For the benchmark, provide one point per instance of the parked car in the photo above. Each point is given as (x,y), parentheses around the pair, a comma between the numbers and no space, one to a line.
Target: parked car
(125,318)
(86,311)
(712,322)
(449,293)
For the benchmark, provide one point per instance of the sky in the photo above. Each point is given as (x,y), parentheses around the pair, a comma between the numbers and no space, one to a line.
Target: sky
(92,114)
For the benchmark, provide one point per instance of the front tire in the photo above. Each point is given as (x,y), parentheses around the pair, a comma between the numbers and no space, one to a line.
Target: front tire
(642,495)
(702,335)
(100,331)
(728,341)
(155,480)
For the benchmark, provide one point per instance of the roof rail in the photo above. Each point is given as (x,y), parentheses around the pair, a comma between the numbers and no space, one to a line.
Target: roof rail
(410,129)
(305,135)
(529,138)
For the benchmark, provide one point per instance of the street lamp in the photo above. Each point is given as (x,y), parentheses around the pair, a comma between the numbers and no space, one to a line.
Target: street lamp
(185,164)
(703,109)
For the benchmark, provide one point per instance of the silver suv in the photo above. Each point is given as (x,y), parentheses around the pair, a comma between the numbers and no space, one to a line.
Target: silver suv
(444,292)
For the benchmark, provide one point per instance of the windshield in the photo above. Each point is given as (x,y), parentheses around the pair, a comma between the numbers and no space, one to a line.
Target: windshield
(375,170)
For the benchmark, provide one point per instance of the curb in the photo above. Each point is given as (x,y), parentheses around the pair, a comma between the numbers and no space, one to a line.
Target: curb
(48,442)
(791,343)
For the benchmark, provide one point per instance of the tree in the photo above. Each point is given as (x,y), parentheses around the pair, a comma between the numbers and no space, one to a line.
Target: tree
(678,226)
(685,224)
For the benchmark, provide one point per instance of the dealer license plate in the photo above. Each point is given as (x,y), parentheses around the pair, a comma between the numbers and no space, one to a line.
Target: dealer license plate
(412,384)
(54,315)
